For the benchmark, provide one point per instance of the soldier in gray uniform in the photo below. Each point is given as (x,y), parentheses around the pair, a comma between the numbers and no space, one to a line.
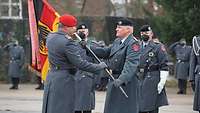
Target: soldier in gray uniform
(123,59)
(84,81)
(182,52)
(16,56)
(194,72)
(64,58)
(153,72)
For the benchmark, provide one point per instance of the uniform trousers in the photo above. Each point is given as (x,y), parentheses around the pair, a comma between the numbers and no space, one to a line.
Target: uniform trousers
(182,85)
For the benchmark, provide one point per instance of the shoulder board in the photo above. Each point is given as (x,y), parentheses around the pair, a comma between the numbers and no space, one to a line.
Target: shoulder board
(156,42)
(135,47)
(162,47)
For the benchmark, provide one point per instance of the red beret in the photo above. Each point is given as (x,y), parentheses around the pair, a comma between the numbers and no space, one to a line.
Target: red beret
(68,20)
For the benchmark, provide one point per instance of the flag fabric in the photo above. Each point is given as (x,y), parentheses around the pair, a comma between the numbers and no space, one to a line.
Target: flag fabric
(42,20)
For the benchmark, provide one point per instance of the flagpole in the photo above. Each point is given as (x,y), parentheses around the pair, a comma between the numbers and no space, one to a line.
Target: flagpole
(34,35)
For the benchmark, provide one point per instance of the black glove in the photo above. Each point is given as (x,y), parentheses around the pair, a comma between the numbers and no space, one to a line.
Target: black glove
(81,35)
(83,43)
(117,82)
(103,65)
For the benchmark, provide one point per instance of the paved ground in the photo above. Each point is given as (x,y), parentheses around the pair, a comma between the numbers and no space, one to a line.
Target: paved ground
(29,100)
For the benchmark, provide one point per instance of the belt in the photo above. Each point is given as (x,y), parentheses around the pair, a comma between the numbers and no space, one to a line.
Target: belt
(70,70)
(14,59)
(149,69)
(178,60)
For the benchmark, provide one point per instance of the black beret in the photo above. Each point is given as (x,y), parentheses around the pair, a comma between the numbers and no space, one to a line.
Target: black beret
(145,28)
(124,22)
(82,26)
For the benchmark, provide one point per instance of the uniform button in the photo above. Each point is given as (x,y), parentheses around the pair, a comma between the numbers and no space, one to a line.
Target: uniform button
(116,60)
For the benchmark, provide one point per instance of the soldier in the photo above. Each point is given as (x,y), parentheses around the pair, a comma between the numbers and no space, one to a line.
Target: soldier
(16,56)
(182,52)
(123,57)
(84,81)
(194,72)
(64,58)
(153,72)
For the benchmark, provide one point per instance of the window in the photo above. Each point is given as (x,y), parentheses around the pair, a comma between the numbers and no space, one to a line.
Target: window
(10,9)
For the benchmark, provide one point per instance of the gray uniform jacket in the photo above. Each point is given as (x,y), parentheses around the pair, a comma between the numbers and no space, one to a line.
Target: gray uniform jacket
(194,75)
(182,60)
(84,87)
(64,58)
(123,61)
(152,60)
(16,57)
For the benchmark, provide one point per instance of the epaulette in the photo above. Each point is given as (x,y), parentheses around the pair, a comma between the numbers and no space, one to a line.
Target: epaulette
(157,42)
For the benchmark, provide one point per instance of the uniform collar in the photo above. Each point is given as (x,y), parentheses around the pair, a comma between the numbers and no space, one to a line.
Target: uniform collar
(122,40)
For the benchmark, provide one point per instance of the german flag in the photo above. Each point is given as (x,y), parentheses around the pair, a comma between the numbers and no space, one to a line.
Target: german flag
(42,20)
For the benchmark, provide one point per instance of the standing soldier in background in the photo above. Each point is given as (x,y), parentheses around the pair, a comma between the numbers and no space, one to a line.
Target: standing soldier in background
(123,57)
(153,72)
(64,59)
(16,57)
(182,52)
(194,73)
(84,81)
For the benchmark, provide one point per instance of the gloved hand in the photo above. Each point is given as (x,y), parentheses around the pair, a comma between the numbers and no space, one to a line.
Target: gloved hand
(117,82)
(83,43)
(103,65)
(163,78)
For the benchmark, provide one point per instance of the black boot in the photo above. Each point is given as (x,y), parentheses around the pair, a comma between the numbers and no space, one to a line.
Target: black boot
(12,87)
(40,87)
(180,92)
(15,82)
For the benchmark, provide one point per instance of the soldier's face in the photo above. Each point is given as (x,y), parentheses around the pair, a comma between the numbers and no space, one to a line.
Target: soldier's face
(70,30)
(123,31)
(85,31)
(148,33)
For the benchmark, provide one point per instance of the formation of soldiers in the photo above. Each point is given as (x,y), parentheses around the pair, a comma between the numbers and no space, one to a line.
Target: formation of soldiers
(138,69)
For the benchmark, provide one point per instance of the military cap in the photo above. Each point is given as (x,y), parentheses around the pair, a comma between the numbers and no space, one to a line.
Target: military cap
(68,20)
(82,26)
(124,22)
(145,28)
